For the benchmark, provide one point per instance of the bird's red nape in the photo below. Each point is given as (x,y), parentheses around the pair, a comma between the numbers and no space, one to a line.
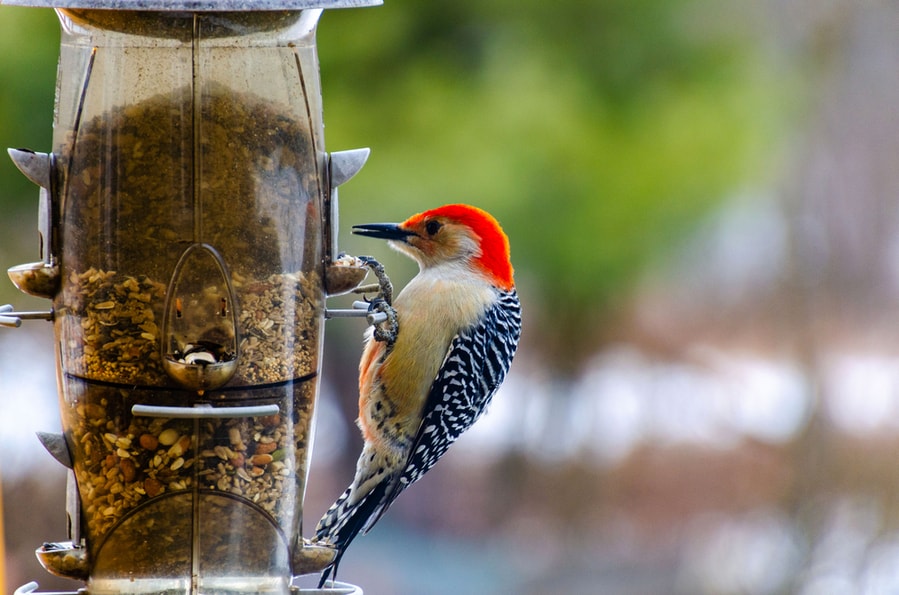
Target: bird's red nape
(494,258)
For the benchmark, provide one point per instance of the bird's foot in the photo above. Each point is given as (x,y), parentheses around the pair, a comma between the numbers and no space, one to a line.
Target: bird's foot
(386,326)
(385,287)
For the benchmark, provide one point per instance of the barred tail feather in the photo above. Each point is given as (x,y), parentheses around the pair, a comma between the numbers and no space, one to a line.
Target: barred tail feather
(331,518)
(343,521)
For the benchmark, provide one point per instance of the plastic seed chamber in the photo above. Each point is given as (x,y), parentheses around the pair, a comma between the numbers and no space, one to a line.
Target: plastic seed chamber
(187,228)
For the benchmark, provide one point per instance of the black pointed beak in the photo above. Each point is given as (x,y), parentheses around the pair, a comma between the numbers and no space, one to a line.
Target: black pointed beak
(383,231)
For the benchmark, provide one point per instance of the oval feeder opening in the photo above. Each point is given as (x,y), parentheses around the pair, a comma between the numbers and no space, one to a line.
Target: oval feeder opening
(200,343)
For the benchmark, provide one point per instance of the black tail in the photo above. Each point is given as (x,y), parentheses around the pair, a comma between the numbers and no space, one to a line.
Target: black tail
(340,525)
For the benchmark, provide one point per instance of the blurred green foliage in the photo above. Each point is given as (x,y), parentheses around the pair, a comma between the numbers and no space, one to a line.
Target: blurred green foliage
(29,42)
(598,132)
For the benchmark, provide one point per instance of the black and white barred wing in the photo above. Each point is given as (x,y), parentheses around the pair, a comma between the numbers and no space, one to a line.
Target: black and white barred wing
(474,368)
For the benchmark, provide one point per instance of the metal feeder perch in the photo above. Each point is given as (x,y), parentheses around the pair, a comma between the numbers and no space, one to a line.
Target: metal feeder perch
(187,225)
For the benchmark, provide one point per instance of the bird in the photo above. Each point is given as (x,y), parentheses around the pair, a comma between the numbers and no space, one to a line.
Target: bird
(458,327)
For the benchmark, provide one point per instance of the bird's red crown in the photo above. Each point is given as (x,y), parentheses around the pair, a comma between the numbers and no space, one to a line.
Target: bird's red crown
(494,256)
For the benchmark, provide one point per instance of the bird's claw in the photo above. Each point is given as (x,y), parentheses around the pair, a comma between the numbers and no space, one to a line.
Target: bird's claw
(385,287)
(385,326)
(381,315)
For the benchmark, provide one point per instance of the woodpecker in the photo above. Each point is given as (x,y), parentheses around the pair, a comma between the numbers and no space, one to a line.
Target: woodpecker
(459,320)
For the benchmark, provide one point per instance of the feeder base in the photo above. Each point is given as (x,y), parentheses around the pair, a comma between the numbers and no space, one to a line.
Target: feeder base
(333,588)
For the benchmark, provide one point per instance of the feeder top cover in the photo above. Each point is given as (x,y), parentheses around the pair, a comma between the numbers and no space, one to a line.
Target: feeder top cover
(195,5)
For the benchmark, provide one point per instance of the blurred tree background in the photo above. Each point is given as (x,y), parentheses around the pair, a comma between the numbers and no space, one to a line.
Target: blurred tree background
(600,132)
(701,204)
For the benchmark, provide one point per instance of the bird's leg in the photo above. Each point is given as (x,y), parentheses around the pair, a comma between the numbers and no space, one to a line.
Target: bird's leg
(385,287)
(386,329)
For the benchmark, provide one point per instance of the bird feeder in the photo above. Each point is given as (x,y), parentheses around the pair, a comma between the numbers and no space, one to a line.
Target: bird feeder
(187,227)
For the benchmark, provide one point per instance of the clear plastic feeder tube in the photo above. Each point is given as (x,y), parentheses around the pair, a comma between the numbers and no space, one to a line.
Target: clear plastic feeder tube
(189,208)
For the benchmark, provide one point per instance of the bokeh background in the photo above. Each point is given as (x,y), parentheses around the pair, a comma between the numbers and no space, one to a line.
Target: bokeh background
(701,197)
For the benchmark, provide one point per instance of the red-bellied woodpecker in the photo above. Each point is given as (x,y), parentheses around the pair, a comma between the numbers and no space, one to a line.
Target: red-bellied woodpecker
(458,327)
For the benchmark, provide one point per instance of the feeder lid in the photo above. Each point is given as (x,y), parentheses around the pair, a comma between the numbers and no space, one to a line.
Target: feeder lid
(195,5)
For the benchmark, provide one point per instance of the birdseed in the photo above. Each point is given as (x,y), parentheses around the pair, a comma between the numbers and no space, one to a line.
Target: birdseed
(130,209)
(124,461)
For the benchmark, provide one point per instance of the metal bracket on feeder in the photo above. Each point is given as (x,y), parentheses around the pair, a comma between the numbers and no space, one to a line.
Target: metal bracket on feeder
(342,166)
(57,447)
(10,318)
(41,278)
(67,559)
(38,167)
(360,309)
(342,274)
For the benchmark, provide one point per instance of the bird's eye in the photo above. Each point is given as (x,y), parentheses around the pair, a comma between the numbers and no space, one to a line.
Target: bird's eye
(433,227)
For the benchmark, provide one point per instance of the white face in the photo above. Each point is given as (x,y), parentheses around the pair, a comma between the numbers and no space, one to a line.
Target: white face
(438,240)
